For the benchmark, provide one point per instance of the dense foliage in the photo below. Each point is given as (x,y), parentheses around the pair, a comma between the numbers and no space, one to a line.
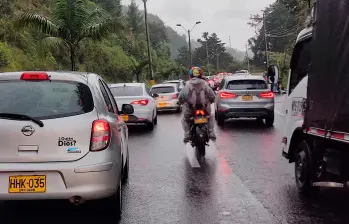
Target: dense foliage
(99,36)
(284,19)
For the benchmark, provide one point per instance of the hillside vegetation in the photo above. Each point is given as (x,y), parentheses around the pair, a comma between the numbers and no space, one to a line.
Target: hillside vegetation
(116,50)
(284,19)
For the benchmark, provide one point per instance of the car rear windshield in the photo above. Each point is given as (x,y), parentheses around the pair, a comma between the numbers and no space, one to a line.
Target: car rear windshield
(127,91)
(246,84)
(45,100)
(163,89)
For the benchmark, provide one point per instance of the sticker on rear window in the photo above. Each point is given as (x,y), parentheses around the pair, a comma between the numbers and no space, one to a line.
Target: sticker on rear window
(74,150)
(66,141)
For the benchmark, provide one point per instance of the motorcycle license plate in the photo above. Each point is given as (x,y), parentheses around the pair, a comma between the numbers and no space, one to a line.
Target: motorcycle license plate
(201,120)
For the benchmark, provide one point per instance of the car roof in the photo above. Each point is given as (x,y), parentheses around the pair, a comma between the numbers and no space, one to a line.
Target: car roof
(54,75)
(126,84)
(244,77)
(164,85)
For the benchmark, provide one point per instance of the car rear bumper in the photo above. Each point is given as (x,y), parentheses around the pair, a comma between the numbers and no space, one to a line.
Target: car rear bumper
(84,178)
(262,112)
(170,105)
(140,117)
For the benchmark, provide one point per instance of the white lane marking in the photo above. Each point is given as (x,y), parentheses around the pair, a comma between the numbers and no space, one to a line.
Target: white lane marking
(194,163)
(278,112)
(238,200)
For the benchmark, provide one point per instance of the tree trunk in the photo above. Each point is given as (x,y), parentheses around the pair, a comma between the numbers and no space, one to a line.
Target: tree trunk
(137,76)
(72,58)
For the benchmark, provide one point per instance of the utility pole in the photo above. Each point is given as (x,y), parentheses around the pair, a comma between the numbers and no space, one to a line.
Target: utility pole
(229,42)
(152,81)
(208,59)
(265,37)
(248,59)
(266,43)
(190,53)
(189,40)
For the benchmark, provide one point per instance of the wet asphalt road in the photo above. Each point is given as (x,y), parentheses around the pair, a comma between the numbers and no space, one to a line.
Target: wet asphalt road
(243,180)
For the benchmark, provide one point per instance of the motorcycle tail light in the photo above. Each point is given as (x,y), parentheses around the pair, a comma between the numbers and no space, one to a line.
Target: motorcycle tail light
(200,113)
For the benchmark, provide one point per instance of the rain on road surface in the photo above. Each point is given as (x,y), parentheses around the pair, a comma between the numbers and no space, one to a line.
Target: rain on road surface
(243,180)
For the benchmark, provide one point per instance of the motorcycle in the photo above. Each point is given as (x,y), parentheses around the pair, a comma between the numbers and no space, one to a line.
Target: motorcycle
(199,131)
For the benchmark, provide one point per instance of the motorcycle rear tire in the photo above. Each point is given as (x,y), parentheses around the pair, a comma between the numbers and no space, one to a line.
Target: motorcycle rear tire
(200,151)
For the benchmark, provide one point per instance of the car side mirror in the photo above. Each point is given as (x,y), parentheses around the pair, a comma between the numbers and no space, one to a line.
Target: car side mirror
(127,109)
(154,95)
(273,70)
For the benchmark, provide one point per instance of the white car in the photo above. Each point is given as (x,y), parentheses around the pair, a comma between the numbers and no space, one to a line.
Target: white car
(143,102)
(166,96)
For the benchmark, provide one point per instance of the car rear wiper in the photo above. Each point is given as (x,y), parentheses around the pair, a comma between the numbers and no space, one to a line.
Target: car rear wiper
(22,117)
(251,88)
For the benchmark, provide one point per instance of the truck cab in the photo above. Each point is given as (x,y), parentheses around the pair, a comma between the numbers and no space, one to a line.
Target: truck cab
(296,92)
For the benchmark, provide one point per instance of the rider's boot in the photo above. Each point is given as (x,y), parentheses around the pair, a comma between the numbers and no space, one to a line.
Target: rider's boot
(212,135)
(186,137)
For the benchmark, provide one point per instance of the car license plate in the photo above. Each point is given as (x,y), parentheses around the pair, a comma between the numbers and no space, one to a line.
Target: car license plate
(247,98)
(27,184)
(201,120)
(162,104)
(124,117)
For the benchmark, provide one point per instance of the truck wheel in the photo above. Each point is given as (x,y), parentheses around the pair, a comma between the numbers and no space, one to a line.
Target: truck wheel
(269,121)
(303,170)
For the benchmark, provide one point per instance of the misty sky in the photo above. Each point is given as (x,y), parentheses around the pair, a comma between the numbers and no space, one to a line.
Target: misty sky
(225,17)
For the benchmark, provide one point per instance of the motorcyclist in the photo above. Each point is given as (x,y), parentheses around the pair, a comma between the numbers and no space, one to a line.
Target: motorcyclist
(198,84)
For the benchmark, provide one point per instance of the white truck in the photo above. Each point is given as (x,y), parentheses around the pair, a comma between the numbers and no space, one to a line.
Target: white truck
(316,135)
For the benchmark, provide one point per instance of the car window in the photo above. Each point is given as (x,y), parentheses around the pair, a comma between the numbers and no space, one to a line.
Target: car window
(147,90)
(111,97)
(127,91)
(163,89)
(300,63)
(247,84)
(106,98)
(45,100)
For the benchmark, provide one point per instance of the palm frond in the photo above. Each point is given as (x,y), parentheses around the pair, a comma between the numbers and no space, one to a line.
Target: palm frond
(53,42)
(98,15)
(100,30)
(71,14)
(39,22)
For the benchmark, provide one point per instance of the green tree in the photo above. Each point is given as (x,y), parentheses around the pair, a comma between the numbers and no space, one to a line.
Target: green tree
(72,21)
(183,56)
(135,19)
(114,7)
(212,49)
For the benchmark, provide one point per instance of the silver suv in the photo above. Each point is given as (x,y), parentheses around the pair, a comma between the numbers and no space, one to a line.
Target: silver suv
(244,96)
(61,138)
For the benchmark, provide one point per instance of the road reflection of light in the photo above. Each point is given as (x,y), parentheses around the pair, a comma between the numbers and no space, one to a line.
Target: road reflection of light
(267,149)
(198,195)
(224,167)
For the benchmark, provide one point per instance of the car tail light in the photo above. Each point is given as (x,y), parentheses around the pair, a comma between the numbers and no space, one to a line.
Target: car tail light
(34,76)
(199,112)
(100,136)
(140,102)
(175,96)
(267,95)
(225,95)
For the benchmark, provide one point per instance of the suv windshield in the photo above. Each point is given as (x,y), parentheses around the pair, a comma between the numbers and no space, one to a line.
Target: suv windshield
(246,84)
(163,89)
(45,100)
(127,91)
